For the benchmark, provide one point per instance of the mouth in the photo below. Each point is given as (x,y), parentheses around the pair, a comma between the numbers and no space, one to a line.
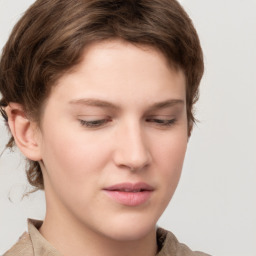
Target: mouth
(130,194)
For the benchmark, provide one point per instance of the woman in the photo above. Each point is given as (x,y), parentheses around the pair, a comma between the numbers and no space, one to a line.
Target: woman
(98,96)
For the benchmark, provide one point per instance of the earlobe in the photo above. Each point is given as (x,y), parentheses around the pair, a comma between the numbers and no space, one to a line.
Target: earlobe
(24,131)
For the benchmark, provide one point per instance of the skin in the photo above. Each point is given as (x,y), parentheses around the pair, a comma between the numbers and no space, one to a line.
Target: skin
(137,104)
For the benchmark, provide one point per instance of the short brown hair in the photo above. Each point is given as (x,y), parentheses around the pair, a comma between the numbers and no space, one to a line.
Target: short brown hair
(51,36)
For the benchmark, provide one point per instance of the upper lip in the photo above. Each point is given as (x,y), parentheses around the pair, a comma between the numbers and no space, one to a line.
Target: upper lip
(130,187)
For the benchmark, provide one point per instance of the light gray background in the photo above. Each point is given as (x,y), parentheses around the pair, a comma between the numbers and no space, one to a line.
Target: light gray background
(214,206)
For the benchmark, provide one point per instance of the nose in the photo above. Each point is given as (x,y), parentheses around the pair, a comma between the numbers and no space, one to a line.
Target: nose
(132,150)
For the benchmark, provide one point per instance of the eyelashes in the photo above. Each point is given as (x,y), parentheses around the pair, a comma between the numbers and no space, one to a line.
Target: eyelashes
(161,122)
(103,122)
(94,123)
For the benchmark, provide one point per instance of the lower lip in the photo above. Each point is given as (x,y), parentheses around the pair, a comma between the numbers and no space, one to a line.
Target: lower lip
(129,198)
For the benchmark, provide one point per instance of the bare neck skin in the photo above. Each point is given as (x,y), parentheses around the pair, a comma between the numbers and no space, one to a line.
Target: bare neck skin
(75,239)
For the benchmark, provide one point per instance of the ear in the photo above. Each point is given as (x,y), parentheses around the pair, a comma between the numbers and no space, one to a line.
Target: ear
(24,131)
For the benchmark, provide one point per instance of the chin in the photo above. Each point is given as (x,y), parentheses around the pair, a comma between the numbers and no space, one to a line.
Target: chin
(131,229)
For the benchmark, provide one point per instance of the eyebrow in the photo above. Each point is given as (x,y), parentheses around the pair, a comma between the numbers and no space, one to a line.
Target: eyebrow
(94,103)
(106,104)
(166,104)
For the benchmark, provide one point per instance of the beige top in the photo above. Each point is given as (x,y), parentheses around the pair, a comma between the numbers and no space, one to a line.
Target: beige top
(34,244)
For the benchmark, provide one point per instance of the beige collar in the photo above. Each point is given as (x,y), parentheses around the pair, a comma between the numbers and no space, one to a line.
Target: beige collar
(40,245)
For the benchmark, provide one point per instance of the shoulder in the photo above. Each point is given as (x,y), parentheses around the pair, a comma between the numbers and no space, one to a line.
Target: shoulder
(22,247)
(170,245)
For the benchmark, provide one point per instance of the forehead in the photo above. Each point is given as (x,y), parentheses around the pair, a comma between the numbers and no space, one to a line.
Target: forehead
(120,70)
(99,52)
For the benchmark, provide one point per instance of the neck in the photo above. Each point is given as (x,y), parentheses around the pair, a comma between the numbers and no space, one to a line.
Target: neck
(76,240)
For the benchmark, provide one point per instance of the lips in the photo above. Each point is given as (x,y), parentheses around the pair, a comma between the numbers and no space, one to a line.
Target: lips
(130,194)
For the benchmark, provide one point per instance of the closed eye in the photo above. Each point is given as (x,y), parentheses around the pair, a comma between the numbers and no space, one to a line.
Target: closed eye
(94,123)
(97,123)
(161,122)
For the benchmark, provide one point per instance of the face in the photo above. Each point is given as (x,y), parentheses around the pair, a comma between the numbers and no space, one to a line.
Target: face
(113,137)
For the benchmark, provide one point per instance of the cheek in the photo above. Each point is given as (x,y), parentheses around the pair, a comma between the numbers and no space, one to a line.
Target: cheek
(169,157)
(72,167)
(73,156)
(171,149)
